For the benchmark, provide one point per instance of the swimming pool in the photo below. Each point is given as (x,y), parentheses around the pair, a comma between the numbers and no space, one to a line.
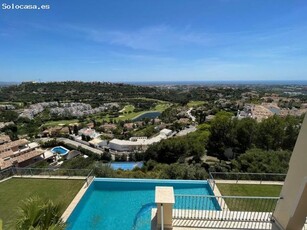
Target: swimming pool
(126,203)
(60,150)
(126,165)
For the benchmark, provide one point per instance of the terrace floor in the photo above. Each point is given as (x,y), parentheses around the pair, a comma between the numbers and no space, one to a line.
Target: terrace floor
(210,224)
(232,188)
(15,190)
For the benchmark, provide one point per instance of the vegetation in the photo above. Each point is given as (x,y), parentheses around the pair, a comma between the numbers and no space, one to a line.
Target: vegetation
(238,145)
(256,160)
(179,148)
(155,170)
(273,133)
(59,191)
(195,103)
(36,213)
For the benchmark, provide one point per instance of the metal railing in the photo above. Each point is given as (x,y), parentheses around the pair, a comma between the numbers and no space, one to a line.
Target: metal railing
(261,177)
(89,178)
(211,181)
(24,172)
(51,172)
(162,217)
(6,173)
(228,208)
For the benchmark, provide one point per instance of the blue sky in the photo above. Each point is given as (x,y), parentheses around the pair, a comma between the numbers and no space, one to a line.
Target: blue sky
(157,40)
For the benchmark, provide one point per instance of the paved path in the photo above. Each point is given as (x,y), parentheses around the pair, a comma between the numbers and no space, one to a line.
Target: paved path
(74,143)
(186,131)
(190,115)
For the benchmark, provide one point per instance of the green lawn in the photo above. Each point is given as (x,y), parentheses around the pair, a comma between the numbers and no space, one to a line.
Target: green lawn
(195,103)
(127,109)
(56,123)
(145,99)
(13,191)
(250,190)
(160,107)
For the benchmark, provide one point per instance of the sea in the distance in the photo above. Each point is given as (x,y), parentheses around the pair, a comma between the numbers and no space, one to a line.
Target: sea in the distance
(161,83)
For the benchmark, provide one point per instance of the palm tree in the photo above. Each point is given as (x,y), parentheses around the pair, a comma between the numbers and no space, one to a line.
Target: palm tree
(37,214)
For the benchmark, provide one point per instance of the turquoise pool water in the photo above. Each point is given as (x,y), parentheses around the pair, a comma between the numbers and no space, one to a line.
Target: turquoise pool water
(125,204)
(60,150)
(126,165)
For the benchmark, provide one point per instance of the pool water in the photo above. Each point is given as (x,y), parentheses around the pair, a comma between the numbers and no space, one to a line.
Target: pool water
(126,165)
(60,150)
(126,204)
(149,115)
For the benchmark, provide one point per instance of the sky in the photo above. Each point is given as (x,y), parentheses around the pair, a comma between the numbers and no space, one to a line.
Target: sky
(154,40)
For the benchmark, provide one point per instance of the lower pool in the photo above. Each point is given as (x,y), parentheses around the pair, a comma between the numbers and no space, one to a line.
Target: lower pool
(126,204)
(126,165)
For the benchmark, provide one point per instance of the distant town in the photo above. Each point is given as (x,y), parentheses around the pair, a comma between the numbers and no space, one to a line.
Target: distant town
(107,122)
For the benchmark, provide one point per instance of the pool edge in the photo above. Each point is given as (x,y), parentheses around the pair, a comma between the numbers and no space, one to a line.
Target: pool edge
(73,204)
(150,180)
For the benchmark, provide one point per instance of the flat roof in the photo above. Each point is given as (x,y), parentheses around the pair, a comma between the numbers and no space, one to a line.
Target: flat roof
(96,141)
(139,141)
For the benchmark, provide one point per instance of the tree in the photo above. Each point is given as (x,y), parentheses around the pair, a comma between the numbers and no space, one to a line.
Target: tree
(184,171)
(245,130)
(35,213)
(75,129)
(8,115)
(292,130)
(260,161)
(222,134)
(271,133)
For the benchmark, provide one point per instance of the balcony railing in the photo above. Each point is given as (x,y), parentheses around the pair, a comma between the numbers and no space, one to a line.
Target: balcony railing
(224,208)
(86,174)
(237,176)
(6,173)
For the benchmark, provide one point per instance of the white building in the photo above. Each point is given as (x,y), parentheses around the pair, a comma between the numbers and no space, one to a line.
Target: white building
(88,132)
(98,143)
(138,143)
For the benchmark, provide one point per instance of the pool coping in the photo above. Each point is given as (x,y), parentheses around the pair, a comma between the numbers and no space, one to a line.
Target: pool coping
(151,180)
(73,204)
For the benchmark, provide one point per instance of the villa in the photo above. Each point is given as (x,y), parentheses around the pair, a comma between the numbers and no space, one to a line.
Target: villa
(145,204)
(108,203)
(88,132)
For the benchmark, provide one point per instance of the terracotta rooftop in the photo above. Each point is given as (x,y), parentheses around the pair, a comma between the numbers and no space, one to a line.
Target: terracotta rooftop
(6,153)
(4,139)
(26,156)
(12,144)
(5,164)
